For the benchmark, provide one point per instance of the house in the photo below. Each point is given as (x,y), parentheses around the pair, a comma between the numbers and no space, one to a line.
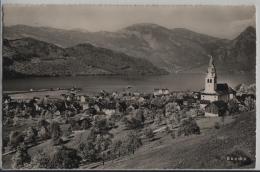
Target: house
(189,102)
(215,91)
(159,92)
(109,112)
(136,94)
(85,106)
(216,108)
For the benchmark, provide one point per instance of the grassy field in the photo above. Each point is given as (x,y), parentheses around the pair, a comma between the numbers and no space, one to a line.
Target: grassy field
(207,150)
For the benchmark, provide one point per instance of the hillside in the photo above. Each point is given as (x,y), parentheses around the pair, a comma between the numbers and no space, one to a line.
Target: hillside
(175,50)
(31,57)
(205,151)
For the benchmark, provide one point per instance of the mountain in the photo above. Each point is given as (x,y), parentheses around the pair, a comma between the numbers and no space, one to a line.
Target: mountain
(239,53)
(31,57)
(175,50)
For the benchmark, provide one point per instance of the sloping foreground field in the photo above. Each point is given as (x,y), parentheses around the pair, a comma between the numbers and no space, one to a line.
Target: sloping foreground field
(207,150)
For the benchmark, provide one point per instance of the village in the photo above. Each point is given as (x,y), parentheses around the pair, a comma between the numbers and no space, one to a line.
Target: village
(65,128)
(98,128)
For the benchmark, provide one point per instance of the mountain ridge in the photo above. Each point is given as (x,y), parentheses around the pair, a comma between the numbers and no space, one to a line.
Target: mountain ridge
(31,57)
(174,50)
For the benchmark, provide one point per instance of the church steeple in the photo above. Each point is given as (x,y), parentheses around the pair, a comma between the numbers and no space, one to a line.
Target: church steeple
(211,77)
(211,62)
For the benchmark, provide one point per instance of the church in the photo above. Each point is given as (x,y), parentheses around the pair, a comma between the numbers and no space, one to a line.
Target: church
(214,92)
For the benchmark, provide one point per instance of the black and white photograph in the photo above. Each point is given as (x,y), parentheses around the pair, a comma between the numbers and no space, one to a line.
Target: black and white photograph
(128,86)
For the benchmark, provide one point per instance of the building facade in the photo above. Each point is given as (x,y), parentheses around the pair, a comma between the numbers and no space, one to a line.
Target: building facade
(214,91)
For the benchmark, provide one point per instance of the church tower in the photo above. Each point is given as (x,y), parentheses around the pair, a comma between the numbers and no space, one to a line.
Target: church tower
(211,78)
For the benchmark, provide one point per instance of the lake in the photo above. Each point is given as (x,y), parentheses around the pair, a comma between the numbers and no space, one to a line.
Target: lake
(174,82)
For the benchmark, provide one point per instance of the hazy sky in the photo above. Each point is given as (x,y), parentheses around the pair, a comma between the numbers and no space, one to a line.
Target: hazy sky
(219,21)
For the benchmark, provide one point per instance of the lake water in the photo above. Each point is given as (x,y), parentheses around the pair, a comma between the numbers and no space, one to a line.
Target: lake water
(174,82)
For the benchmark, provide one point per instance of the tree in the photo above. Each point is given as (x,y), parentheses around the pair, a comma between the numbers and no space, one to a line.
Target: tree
(250,103)
(86,124)
(42,123)
(233,106)
(44,133)
(223,116)
(133,142)
(122,106)
(171,108)
(149,133)
(74,124)
(173,134)
(55,133)
(103,142)
(133,123)
(189,126)
(217,125)
(40,160)
(98,141)
(15,138)
(139,115)
(101,126)
(88,151)
(116,147)
(64,158)
(20,157)
(15,120)
(31,134)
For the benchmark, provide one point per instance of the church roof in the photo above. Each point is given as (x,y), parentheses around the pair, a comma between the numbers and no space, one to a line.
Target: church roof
(224,89)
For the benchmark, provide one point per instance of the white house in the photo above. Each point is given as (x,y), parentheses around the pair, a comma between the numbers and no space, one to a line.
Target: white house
(159,92)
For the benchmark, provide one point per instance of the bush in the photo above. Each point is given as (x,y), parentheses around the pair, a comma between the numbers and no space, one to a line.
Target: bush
(133,123)
(233,106)
(249,103)
(40,160)
(42,123)
(75,124)
(88,151)
(86,124)
(189,127)
(60,158)
(102,126)
(133,142)
(31,134)
(44,133)
(149,133)
(20,157)
(217,125)
(117,148)
(15,138)
(64,157)
(173,135)
(55,133)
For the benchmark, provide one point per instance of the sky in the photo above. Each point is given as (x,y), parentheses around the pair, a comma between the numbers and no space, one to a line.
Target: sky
(219,21)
